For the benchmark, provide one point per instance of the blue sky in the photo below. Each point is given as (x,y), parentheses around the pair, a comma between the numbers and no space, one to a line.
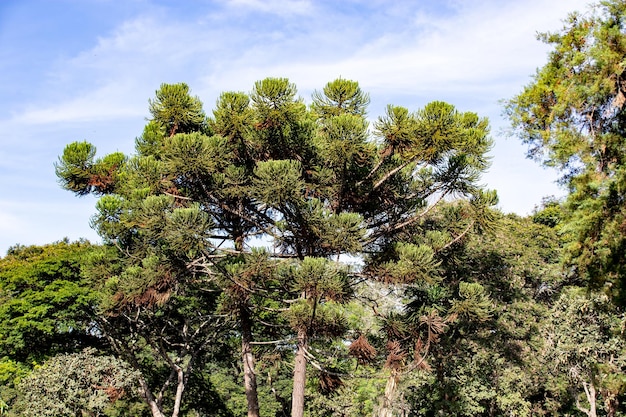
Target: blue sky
(84,70)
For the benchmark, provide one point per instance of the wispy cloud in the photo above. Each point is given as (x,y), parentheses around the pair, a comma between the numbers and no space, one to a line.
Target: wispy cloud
(27,223)
(278,7)
(403,52)
(475,49)
(111,101)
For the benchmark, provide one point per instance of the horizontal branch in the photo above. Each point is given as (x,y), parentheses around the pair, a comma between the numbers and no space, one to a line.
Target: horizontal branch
(272,342)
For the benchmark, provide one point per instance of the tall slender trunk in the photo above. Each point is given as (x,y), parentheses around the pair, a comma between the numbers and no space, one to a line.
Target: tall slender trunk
(386,407)
(247,357)
(299,376)
(249,376)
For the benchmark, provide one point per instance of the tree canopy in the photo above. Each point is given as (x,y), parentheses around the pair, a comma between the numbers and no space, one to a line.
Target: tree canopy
(572,116)
(312,184)
(278,257)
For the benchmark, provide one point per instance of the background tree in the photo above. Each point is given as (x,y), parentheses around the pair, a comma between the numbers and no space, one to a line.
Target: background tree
(76,384)
(500,285)
(483,305)
(590,358)
(46,308)
(572,117)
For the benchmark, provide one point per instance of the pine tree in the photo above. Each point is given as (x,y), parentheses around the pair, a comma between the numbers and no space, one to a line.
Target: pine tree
(572,116)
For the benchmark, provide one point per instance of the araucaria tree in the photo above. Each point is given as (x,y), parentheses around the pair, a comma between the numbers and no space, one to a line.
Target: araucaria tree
(260,204)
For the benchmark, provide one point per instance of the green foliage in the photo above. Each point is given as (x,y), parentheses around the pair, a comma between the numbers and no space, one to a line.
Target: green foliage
(186,212)
(77,383)
(340,97)
(397,127)
(278,183)
(440,129)
(273,389)
(176,111)
(550,213)
(78,172)
(195,156)
(474,304)
(344,140)
(323,285)
(415,263)
(572,116)
(594,353)
(45,304)
(273,93)
(282,127)
(11,372)
(151,140)
(356,398)
(496,288)
(233,119)
(74,167)
(232,116)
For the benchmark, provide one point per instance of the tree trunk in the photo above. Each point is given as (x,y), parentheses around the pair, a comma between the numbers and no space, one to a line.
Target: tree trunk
(180,388)
(611,403)
(591,397)
(299,376)
(149,398)
(249,376)
(590,393)
(386,407)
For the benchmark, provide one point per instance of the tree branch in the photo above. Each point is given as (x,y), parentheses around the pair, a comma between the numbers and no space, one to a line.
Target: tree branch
(459,237)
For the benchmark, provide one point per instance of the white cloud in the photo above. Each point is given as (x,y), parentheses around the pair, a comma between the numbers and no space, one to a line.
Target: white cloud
(112,101)
(471,54)
(485,49)
(34,223)
(477,50)
(10,224)
(278,7)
